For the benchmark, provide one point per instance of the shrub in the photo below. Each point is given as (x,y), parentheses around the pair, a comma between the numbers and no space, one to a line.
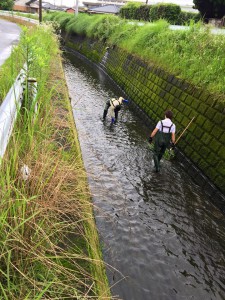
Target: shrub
(142,12)
(186,17)
(168,12)
(129,11)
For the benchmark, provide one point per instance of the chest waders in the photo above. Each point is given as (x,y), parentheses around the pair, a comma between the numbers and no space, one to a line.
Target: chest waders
(117,108)
(162,141)
(107,105)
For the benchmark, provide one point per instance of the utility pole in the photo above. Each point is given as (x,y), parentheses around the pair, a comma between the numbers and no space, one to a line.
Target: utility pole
(40,11)
(76,10)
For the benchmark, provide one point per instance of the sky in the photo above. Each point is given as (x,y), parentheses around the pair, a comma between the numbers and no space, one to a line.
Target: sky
(70,3)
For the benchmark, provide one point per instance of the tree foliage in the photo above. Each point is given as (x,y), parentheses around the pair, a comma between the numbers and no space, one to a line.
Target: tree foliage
(6,4)
(210,8)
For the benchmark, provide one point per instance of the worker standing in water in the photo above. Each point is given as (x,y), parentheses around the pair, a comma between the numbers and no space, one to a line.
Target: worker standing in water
(115,107)
(164,134)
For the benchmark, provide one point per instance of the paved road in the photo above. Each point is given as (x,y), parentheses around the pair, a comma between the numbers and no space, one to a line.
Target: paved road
(9,36)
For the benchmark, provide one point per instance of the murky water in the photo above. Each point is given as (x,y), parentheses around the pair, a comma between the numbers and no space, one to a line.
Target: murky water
(161,236)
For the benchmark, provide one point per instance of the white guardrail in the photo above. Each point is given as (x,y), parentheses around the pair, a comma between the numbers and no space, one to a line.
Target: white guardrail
(9,109)
(11,105)
(13,101)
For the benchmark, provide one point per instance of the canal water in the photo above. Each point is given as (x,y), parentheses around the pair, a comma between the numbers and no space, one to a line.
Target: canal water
(162,238)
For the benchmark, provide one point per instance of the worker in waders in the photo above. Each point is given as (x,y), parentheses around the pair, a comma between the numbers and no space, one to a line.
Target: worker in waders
(164,134)
(115,107)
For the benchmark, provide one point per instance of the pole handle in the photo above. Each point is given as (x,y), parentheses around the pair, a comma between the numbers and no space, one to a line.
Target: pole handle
(184,130)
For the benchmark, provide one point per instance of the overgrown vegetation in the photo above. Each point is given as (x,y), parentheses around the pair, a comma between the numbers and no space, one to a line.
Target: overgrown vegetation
(49,244)
(8,73)
(6,4)
(193,54)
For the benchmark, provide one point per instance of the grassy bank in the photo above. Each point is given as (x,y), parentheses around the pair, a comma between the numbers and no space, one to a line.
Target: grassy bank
(49,243)
(193,54)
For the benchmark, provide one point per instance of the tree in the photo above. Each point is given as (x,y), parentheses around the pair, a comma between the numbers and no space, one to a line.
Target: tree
(6,4)
(210,8)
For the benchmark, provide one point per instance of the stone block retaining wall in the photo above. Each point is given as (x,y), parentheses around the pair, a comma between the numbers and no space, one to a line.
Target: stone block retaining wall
(155,90)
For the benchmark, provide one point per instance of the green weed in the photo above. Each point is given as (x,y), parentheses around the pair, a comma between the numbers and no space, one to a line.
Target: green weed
(49,243)
(193,54)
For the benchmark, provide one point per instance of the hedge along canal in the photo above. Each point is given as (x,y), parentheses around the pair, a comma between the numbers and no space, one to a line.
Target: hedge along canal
(160,233)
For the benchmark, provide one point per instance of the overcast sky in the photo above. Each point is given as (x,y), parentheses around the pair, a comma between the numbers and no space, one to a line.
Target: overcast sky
(70,3)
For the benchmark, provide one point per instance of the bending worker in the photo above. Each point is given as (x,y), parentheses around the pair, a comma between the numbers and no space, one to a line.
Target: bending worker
(115,107)
(164,133)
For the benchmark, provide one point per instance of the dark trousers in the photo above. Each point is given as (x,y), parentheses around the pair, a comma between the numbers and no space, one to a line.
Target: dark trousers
(116,110)
(162,141)
(106,108)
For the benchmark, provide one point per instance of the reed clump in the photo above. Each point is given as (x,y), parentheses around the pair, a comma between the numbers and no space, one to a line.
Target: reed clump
(193,54)
(49,245)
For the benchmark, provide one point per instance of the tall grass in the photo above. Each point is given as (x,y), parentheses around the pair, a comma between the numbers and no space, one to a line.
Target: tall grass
(78,24)
(103,27)
(61,18)
(49,244)
(193,54)
(9,71)
(145,38)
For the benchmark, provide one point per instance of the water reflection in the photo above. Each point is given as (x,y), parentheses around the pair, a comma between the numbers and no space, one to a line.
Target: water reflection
(159,231)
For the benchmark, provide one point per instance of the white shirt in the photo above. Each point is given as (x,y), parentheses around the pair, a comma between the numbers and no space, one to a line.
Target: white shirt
(166,122)
(113,104)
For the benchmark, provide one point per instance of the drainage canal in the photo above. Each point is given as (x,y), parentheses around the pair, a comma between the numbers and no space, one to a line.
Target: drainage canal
(161,235)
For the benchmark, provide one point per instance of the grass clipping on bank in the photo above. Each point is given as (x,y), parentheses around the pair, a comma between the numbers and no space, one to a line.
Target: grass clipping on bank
(49,244)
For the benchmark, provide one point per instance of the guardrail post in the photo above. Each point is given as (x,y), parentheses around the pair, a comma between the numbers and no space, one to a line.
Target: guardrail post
(32,91)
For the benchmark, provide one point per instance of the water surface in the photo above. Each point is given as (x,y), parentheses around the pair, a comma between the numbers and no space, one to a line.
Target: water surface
(161,235)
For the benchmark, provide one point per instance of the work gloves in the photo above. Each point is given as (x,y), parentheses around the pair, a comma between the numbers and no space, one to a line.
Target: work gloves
(150,140)
(172,146)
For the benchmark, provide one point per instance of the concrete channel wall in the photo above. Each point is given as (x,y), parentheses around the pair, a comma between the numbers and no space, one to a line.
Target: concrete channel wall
(154,91)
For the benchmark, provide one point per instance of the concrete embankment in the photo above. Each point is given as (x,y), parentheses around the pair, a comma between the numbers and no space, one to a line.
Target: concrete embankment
(154,90)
